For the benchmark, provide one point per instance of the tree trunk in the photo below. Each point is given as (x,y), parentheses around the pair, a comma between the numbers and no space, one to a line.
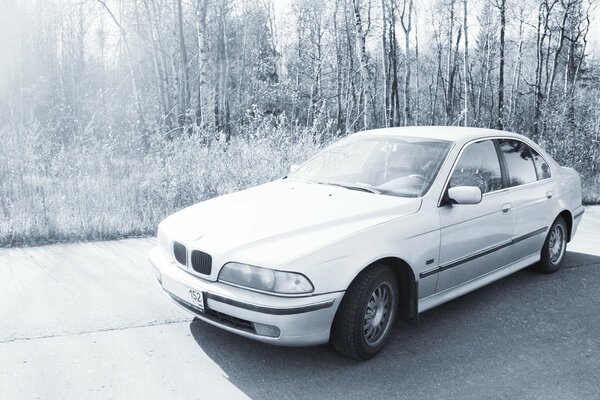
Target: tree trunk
(466,64)
(453,71)
(361,34)
(394,118)
(141,123)
(201,10)
(338,59)
(501,72)
(516,80)
(406,21)
(544,12)
(156,64)
(184,93)
(559,48)
(417,93)
(222,113)
(449,69)
(384,64)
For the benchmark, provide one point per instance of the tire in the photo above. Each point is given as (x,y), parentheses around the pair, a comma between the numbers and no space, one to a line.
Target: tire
(372,296)
(553,252)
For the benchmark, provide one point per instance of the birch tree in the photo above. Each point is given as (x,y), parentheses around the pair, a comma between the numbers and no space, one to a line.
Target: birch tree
(361,37)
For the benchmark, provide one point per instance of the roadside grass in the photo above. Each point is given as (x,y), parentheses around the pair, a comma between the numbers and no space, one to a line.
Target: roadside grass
(97,190)
(97,194)
(591,190)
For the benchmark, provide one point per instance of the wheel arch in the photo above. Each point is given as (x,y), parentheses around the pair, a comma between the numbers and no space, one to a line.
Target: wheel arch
(568,217)
(407,285)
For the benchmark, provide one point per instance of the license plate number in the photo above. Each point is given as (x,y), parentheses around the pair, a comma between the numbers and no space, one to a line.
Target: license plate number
(196,298)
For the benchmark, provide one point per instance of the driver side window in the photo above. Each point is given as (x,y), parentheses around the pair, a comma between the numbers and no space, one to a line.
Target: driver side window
(478,166)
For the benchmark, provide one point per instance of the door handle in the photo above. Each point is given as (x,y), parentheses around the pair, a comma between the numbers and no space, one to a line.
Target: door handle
(549,194)
(506,208)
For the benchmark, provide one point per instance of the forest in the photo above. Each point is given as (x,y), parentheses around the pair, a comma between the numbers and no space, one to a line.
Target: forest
(116,113)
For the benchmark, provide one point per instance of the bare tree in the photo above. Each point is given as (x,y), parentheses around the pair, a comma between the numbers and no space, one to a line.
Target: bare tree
(184,94)
(361,35)
(134,84)
(516,78)
(201,32)
(221,104)
(406,22)
(542,34)
(466,65)
(500,121)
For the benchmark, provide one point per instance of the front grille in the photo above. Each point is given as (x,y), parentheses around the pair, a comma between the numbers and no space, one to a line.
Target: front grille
(201,262)
(231,321)
(180,253)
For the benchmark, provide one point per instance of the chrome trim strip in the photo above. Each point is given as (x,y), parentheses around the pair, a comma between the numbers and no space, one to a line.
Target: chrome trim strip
(482,253)
(257,308)
(530,235)
(431,271)
(474,256)
(270,310)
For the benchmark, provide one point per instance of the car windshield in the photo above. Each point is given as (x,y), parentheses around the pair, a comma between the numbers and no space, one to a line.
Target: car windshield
(399,166)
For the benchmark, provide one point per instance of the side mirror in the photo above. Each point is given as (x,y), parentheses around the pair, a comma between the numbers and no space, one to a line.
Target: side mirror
(294,168)
(464,195)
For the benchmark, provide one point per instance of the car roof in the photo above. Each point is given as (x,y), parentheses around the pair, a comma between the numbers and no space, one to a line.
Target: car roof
(450,133)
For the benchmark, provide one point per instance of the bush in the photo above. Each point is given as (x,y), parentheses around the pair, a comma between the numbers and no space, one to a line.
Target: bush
(56,189)
(96,192)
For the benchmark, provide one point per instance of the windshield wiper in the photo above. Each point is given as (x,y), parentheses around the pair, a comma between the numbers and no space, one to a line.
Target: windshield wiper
(363,188)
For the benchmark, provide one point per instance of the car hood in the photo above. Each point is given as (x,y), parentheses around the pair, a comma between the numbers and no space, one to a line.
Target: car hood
(278,222)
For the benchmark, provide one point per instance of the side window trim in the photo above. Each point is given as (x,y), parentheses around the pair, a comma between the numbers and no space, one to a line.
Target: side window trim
(531,150)
(442,195)
(532,160)
(504,164)
(503,167)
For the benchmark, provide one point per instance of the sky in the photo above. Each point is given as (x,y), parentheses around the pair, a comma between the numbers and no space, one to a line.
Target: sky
(282,9)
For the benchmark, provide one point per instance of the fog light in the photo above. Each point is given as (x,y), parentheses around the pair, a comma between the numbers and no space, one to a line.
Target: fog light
(266,330)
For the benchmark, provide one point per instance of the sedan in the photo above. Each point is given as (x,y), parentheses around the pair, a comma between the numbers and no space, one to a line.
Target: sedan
(376,228)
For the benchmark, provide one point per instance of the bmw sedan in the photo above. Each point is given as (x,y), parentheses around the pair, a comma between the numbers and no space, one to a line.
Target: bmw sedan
(378,227)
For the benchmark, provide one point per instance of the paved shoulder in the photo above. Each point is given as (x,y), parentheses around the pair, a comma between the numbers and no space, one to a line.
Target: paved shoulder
(82,287)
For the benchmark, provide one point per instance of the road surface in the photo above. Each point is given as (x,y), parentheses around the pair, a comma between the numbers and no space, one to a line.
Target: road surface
(88,321)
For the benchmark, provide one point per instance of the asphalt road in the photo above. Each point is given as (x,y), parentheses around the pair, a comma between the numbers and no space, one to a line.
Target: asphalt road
(87,321)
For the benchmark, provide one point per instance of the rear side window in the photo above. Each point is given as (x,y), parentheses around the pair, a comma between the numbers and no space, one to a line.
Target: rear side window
(541,166)
(478,166)
(519,162)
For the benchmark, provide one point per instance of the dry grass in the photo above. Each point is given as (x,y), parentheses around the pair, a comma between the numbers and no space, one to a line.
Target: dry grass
(108,189)
(96,193)
(591,190)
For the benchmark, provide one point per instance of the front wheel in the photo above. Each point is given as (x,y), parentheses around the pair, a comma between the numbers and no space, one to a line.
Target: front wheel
(554,248)
(367,313)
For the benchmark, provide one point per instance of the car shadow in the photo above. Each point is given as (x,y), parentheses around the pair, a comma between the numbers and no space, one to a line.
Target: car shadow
(465,340)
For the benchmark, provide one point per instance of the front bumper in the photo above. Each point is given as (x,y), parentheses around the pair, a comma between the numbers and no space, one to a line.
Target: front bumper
(301,321)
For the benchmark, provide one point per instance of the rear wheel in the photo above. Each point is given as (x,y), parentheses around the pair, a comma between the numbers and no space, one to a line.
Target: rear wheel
(367,313)
(554,248)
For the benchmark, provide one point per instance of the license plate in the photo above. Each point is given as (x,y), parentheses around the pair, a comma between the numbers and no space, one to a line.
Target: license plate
(193,297)
(196,298)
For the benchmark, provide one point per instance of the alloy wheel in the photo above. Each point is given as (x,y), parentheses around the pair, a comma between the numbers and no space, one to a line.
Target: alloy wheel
(557,244)
(377,318)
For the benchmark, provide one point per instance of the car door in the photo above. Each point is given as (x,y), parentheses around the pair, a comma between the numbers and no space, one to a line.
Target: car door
(475,237)
(533,199)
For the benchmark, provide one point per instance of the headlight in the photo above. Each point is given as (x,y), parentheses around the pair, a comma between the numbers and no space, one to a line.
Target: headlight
(265,279)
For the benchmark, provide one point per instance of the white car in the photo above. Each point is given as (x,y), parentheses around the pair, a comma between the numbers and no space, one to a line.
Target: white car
(382,225)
